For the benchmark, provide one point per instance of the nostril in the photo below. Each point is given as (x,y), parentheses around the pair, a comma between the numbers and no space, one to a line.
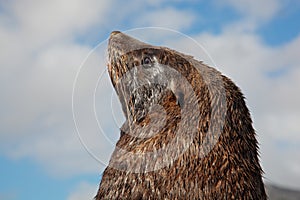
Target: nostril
(115,33)
(136,63)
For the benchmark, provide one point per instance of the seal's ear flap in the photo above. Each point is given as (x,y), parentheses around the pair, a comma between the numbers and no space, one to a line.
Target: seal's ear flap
(177,92)
(180,99)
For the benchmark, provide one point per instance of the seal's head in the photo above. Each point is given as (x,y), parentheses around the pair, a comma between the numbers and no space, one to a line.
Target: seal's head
(206,149)
(142,74)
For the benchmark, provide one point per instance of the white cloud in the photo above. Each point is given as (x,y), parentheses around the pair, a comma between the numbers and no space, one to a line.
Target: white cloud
(151,13)
(38,63)
(37,117)
(167,17)
(41,22)
(84,191)
(41,82)
(158,3)
(257,10)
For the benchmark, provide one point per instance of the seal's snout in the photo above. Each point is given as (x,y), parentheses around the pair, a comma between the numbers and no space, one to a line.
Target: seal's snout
(114,33)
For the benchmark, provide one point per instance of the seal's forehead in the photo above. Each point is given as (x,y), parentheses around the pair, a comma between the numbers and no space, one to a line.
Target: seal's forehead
(146,52)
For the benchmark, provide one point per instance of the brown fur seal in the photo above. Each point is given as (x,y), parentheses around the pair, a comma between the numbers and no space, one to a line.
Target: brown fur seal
(188,133)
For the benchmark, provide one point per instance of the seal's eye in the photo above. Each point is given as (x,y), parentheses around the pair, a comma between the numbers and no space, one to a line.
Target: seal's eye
(147,61)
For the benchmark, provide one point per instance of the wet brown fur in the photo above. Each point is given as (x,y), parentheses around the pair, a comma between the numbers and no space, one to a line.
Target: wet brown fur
(231,170)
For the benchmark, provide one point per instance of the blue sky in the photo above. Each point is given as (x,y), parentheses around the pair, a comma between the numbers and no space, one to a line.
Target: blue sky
(43,44)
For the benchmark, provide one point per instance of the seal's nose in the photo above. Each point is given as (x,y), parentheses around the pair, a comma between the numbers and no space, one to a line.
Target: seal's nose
(114,33)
